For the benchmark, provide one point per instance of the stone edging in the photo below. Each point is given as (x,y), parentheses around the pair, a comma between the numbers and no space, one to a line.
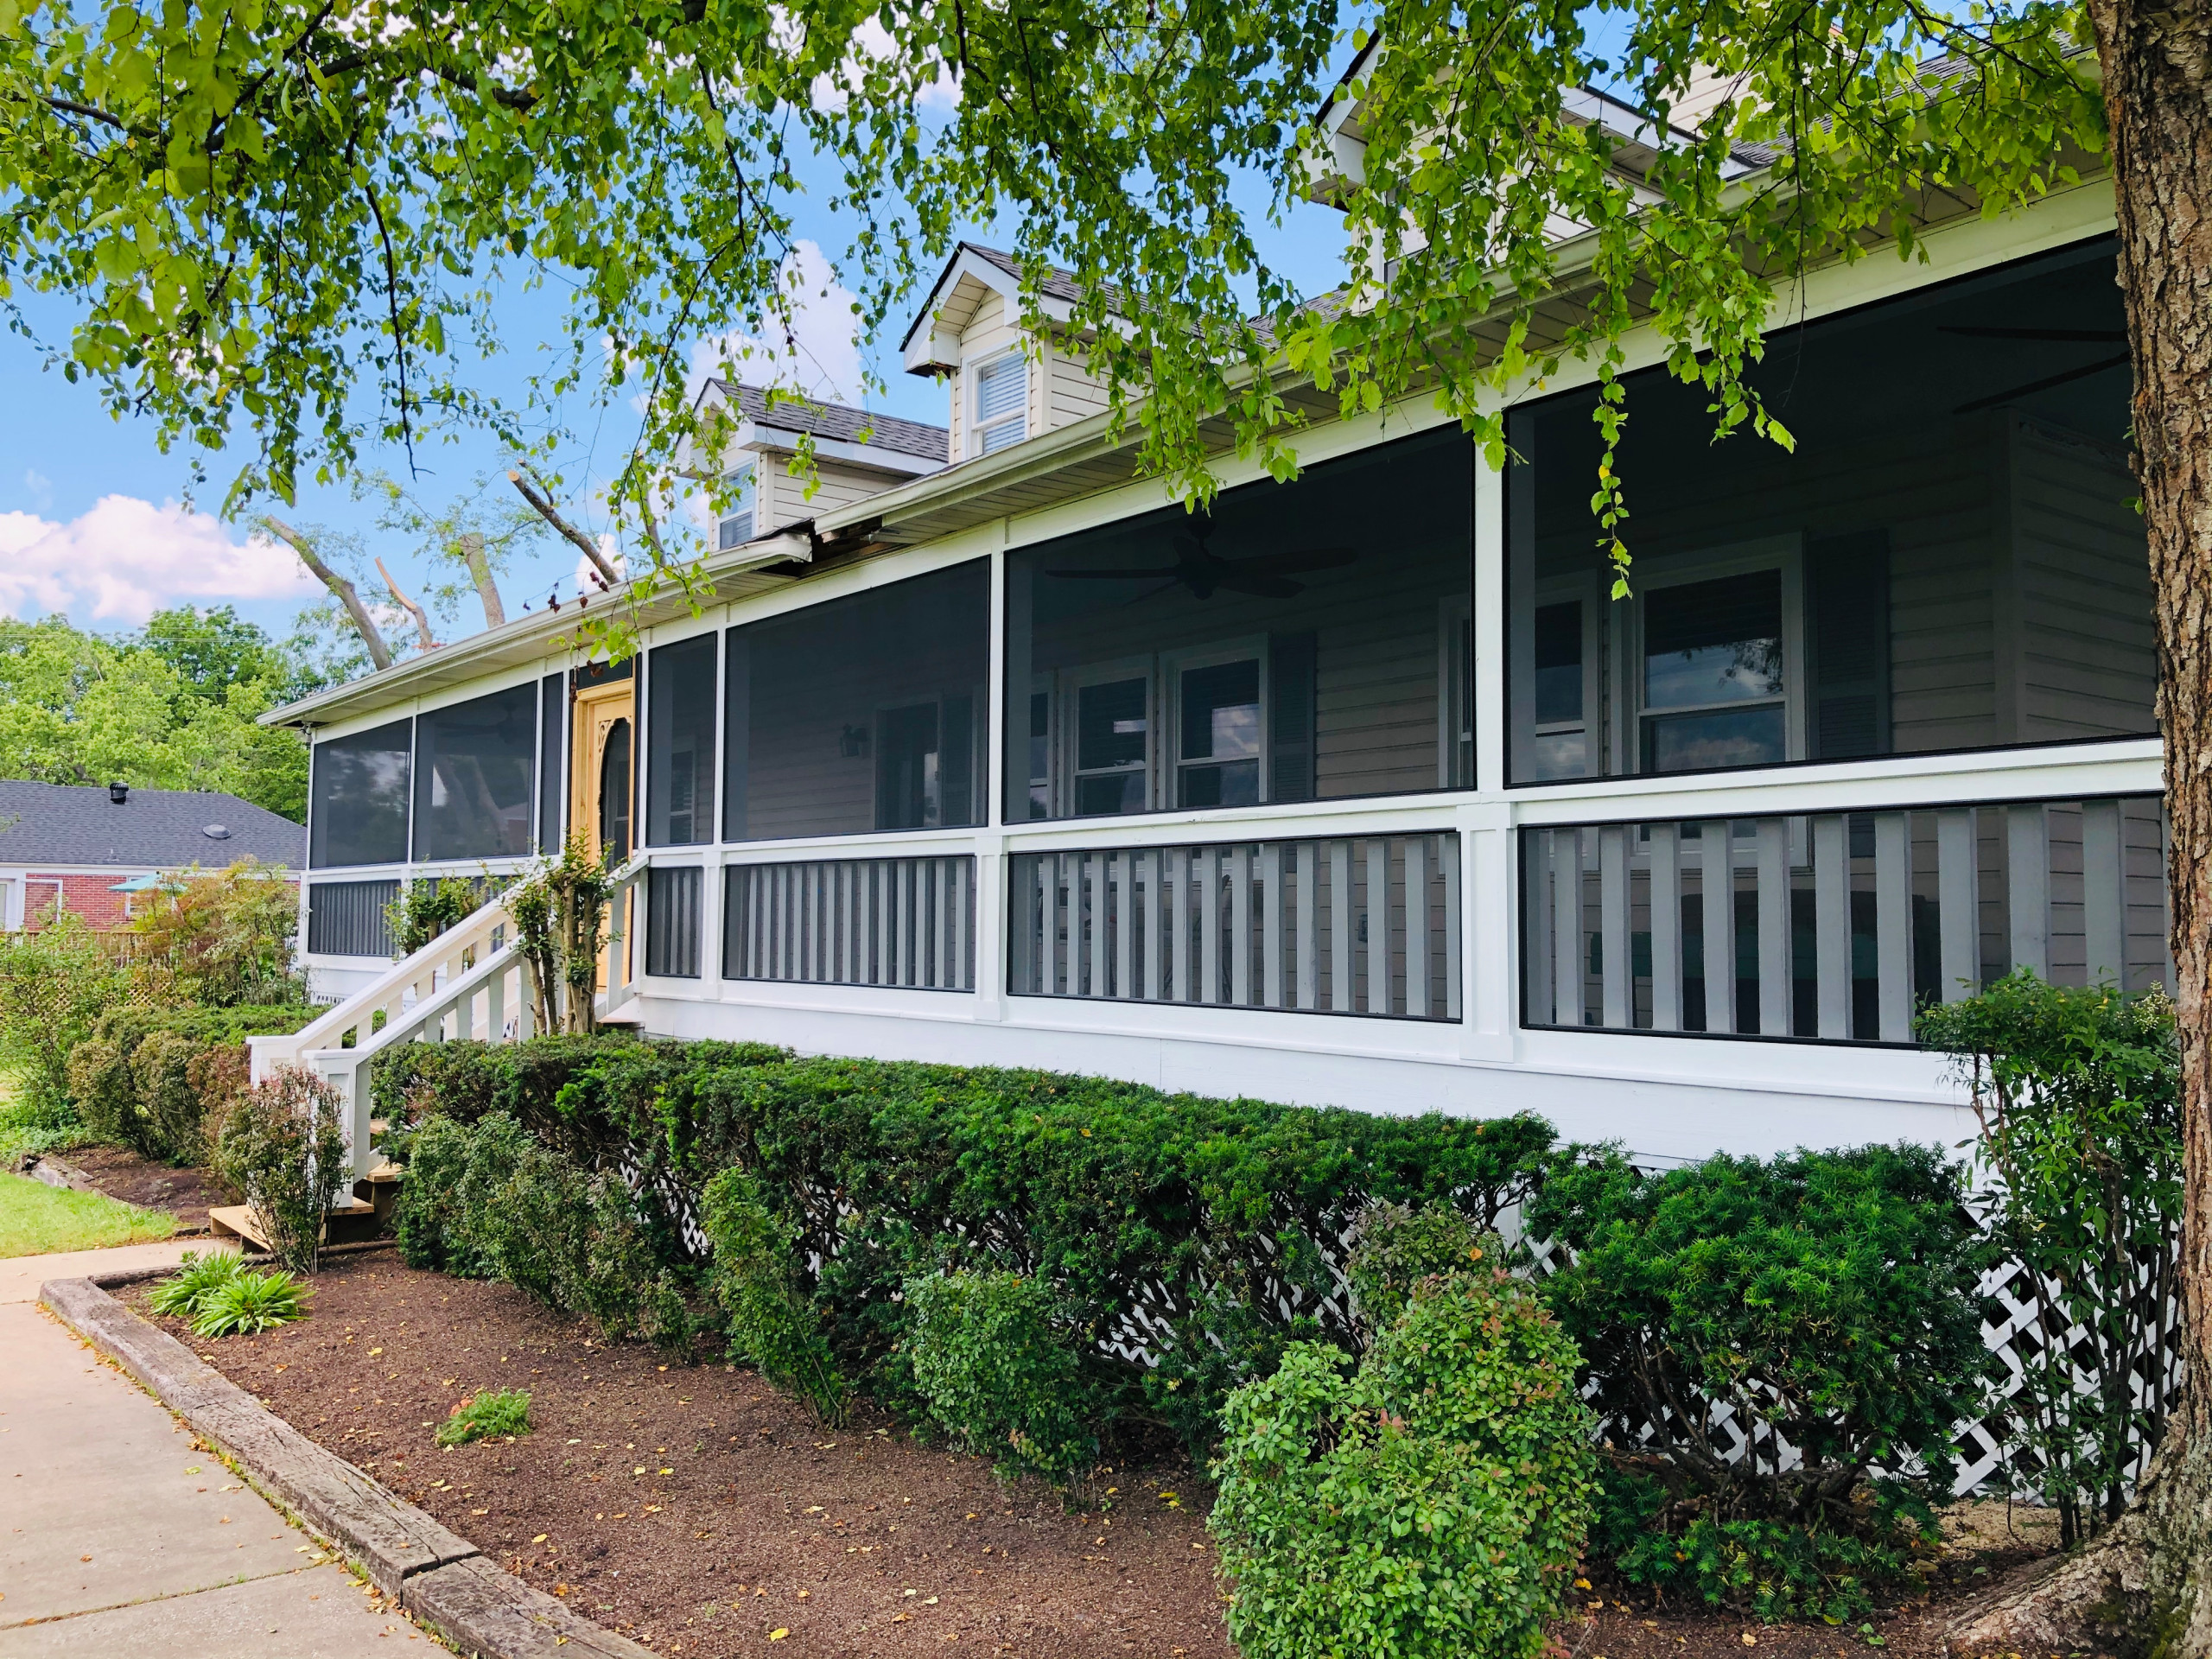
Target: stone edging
(436,1575)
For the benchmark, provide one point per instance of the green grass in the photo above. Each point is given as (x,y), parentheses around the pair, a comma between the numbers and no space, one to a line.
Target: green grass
(505,1413)
(36,1219)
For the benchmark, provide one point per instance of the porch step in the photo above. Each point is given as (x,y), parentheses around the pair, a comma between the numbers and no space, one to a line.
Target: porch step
(349,1221)
(379,1189)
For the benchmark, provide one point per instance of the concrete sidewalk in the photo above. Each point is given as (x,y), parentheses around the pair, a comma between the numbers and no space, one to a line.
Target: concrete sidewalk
(118,1538)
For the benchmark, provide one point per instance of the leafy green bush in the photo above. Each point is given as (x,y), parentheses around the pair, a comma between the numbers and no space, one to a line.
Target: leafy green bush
(222,937)
(248,1302)
(492,1200)
(995,1362)
(146,1079)
(426,908)
(1431,1503)
(196,1278)
(168,1105)
(1773,1569)
(773,1325)
(2078,1094)
(1832,1297)
(1394,1247)
(482,1416)
(282,1146)
(54,983)
(1216,1223)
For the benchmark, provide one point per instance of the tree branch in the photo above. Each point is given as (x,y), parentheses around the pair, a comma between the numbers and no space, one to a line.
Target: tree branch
(422,617)
(479,568)
(551,515)
(343,590)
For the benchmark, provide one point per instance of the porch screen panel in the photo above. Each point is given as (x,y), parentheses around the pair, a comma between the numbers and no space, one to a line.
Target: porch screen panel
(359,798)
(1835,926)
(1299,641)
(860,714)
(672,907)
(347,918)
(1958,560)
(476,775)
(552,761)
(1365,924)
(680,744)
(904,923)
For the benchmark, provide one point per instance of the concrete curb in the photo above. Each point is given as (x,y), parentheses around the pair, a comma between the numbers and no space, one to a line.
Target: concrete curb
(437,1575)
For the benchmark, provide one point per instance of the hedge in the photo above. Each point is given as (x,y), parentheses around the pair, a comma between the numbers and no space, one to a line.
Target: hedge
(149,1078)
(1207,1232)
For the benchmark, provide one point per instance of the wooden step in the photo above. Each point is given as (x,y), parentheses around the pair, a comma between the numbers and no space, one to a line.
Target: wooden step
(349,1220)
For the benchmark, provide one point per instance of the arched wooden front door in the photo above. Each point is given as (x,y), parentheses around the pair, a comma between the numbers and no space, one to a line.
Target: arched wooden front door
(602,781)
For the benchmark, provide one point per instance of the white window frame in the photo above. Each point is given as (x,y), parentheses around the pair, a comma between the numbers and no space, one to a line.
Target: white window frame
(751,497)
(1044,685)
(1068,717)
(1782,553)
(1577,590)
(1174,664)
(981,431)
(1455,682)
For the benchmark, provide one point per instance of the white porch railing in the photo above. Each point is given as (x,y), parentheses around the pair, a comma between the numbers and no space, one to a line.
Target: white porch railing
(1835,926)
(907,922)
(467,983)
(1347,925)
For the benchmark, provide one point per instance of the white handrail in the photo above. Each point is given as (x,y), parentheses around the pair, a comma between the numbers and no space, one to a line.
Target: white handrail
(404,985)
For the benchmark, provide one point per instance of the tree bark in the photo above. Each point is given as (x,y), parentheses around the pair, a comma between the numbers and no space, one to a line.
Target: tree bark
(2145,1588)
(479,572)
(422,617)
(551,515)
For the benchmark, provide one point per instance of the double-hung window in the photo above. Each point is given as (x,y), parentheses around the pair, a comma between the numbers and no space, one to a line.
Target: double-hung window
(736,528)
(1715,668)
(1218,728)
(999,403)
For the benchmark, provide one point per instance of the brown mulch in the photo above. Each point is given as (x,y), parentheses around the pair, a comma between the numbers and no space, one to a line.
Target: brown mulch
(122,1173)
(697,1510)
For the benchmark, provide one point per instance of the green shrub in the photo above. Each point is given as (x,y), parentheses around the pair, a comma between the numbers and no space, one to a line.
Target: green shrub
(168,1105)
(998,1368)
(248,1302)
(54,983)
(491,1199)
(222,937)
(484,1415)
(197,1277)
(773,1325)
(1832,1297)
(1216,1223)
(282,1146)
(103,1090)
(1394,1247)
(426,908)
(2078,1095)
(1773,1569)
(1430,1502)
(160,1099)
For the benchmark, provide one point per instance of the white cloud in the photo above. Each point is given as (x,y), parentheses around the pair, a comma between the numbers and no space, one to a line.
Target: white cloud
(126,558)
(871,40)
(822,356)
(39,487)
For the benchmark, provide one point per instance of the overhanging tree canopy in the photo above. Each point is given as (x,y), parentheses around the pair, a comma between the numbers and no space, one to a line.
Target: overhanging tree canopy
(297,218)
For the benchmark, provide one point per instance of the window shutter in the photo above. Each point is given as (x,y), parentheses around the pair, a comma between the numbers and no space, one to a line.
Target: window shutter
(1848,633)
(1290,674)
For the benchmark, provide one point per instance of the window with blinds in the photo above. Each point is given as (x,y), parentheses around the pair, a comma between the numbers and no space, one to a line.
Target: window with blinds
(1001,403)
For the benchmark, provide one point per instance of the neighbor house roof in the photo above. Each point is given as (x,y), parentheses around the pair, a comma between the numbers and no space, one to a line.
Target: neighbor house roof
(839,422)
(153,829)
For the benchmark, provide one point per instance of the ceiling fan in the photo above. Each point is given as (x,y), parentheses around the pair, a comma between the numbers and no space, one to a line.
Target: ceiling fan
(2068,336)
(1205,573)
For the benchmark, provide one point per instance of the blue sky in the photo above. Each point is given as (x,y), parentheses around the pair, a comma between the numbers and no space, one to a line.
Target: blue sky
(94,519)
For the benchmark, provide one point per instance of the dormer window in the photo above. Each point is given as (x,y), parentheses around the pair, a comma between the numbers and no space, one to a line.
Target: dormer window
(1001,403)
(737,519)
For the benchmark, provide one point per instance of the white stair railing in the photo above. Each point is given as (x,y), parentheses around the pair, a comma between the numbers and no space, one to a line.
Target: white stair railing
(626,914)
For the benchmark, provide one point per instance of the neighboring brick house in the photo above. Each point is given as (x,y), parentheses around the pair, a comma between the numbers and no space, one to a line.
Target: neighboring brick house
(82,848)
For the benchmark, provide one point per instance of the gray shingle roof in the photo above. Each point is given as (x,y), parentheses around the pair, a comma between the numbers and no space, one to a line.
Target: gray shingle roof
(154,829)
(839,422)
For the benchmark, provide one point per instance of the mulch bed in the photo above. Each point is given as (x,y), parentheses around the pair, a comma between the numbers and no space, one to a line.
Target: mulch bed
(121,1174)
(696,1510)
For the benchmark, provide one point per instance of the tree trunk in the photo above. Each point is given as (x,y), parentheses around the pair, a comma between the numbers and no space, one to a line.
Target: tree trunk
(2145,1588)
